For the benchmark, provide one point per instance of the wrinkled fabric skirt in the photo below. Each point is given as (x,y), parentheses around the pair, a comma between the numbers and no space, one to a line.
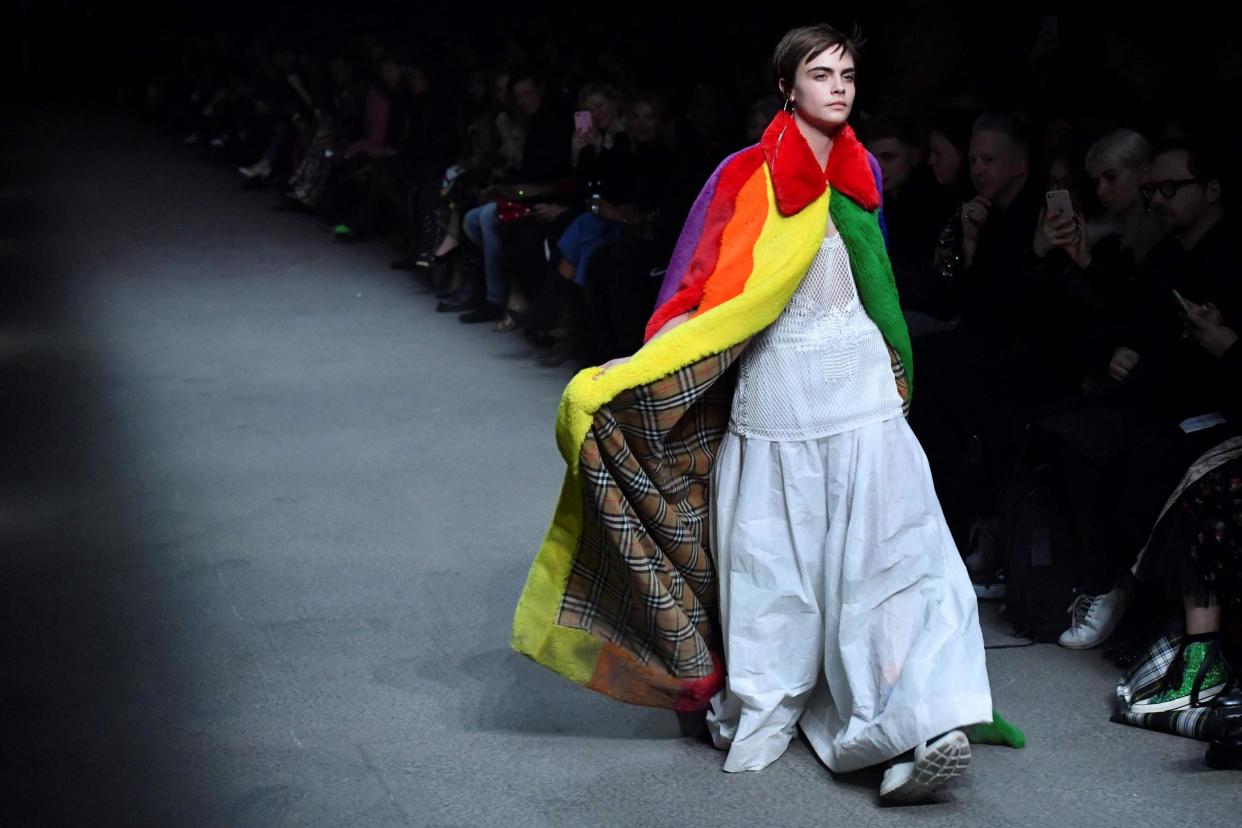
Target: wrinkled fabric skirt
(844,602)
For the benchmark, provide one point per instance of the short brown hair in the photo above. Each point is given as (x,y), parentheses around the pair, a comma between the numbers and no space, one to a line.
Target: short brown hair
(804,42)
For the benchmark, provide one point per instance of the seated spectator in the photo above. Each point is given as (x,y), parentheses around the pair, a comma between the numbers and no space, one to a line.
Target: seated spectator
(948,151)
(603,159)
(617,279)
(983,378)
(281,97)
(1192,565)
(914,205)
(1100,266)
(1193,558)
(338,119)
(544,165)
(1167,398)
(435,230)
(348,180)
(420,135)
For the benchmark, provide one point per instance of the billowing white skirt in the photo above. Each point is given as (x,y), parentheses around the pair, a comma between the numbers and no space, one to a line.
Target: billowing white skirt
(845,604)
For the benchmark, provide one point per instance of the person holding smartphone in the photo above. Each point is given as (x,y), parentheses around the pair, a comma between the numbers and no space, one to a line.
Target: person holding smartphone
(1163,397)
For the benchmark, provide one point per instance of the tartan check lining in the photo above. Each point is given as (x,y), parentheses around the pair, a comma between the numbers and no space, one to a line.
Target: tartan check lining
(642,577)
(660,601)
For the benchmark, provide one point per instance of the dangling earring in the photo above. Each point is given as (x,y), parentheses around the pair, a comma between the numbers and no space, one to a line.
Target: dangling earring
(789,105)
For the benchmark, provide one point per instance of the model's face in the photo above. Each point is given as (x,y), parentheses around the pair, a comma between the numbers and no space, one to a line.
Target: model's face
(643,124)
(1188,204)
(896,159)
(823,89)
(603,111)
(995,163)
(1117,188)
(943,158)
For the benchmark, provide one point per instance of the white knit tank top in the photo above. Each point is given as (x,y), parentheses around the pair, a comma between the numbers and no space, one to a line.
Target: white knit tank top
(822,367)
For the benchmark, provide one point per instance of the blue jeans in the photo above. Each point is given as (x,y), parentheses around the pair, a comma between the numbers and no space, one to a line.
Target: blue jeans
(482,226)
(584,235)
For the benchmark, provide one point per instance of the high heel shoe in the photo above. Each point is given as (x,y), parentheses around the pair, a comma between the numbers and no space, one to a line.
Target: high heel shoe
(427,261)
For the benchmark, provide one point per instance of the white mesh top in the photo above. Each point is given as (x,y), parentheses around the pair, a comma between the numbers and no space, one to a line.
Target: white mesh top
(822,367)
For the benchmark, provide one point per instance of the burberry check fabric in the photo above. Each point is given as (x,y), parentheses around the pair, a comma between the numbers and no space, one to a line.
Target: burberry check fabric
(643,577)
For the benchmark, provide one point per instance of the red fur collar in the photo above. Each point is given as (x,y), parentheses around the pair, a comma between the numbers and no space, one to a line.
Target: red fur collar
(797,177)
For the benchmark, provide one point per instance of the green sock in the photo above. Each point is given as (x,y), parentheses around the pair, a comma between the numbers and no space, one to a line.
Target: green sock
(999,732)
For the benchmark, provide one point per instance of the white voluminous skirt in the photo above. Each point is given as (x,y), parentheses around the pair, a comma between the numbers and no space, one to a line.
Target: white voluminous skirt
(844,602)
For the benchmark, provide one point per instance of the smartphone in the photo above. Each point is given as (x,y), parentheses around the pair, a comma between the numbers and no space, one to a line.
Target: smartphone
(583,121)
(1059,203)
(1181,301)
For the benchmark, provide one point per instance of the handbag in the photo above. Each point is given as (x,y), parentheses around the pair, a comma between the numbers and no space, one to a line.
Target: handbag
(508,210)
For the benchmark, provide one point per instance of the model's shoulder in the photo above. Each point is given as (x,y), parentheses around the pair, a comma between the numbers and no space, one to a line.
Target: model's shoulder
(736,167)
(874,165)
(747,157)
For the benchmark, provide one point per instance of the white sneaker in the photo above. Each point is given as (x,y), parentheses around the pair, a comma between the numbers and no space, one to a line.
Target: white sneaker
(935,763)
(259,169)
(1093,619)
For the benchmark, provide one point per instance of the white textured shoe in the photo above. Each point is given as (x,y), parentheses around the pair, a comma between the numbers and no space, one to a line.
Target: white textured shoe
(1093,619)
(935,763)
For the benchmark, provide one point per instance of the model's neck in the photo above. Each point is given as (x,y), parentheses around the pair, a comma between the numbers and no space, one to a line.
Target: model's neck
(819,141)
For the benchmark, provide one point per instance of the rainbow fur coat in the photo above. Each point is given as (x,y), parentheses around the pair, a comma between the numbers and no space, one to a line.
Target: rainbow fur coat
(621,597)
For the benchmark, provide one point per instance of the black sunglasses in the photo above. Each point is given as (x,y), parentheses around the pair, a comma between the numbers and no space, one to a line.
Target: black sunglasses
(1168,188)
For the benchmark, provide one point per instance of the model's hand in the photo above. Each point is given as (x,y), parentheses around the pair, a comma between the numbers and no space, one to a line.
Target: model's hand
(610,363)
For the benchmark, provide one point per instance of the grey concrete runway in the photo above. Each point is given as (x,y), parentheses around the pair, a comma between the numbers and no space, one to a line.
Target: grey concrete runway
(265,516)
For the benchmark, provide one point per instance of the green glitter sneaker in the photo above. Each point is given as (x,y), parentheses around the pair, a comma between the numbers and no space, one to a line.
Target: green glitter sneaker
(1203,670)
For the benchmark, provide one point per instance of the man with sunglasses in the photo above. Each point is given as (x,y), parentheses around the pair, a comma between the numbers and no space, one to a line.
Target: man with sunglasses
(1183,192)
(1131,441)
